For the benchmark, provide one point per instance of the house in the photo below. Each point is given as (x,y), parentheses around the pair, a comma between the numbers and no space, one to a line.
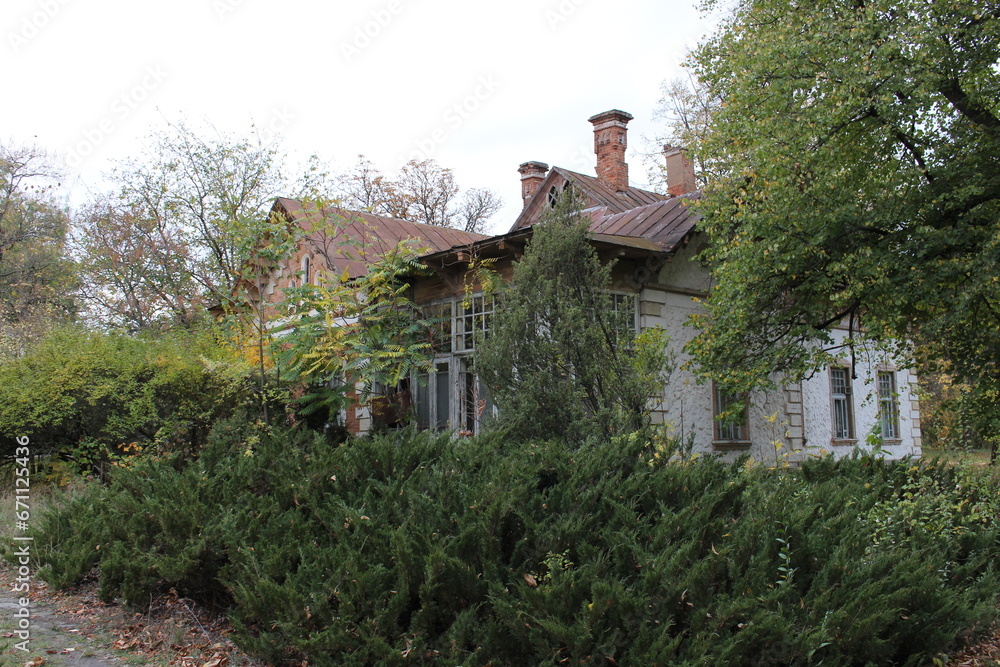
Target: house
(657,281)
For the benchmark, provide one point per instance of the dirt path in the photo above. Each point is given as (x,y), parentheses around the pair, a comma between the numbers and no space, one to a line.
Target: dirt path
(53,639)
(76,629)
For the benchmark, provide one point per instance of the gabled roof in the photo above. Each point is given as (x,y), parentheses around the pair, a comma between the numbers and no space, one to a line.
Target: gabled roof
(594,190)
(621,218)
(370,235)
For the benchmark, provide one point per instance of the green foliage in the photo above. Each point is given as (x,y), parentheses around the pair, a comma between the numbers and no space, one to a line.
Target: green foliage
(559,361)
(859,142)
(86,393)
(478,551)
(37,276)
(184,223)
(349,332)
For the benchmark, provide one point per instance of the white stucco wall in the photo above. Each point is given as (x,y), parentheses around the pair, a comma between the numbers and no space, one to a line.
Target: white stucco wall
(786,425)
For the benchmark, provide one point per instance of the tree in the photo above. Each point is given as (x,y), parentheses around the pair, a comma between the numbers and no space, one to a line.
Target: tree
(181,230)
(686,109)
(349,336)
(560,360)
(36,274)
(423,192)
(861,186)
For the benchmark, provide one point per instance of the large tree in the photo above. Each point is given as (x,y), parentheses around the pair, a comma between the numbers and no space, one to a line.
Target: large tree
(178,233)
(36,275)
(562,358)
(861,146)
(423,191)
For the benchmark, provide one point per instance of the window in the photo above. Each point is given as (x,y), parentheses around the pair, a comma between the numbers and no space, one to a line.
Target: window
(730,411)
(554,193)
(843,408)
(451,396)
(432,398)
(473,318)
(888,409)
(440,317)
(476,403)
(623,314)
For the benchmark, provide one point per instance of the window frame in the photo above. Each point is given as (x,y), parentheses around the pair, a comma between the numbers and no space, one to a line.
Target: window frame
(722,402)
(845,398)
(890,401)
(618,298)
(463,320)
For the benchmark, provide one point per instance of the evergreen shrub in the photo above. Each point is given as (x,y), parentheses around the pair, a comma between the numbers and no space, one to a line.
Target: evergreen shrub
(415,548)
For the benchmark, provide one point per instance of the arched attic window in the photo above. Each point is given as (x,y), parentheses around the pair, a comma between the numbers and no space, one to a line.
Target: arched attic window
(556,191)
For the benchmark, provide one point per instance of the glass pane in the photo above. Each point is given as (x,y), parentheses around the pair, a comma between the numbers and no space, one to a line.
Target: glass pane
(840,418)
(441,396)
(423,402)
(733,425)
(888,410)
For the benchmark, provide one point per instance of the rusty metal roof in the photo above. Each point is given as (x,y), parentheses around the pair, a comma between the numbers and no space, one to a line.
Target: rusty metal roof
(666,223)
(605,195)
(595,192)
(354,238)
(635,213)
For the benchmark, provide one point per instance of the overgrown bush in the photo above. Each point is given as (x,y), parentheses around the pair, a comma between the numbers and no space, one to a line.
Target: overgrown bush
(86,394)
(416,548)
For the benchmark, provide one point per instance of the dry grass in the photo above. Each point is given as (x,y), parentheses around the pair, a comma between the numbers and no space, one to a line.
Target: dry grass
(954,455)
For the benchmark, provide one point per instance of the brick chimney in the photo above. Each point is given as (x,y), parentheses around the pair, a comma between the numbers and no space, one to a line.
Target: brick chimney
(610,142)
(532,175)
(680,171)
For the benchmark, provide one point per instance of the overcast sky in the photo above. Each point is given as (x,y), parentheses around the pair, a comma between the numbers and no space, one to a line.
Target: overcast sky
(479,86)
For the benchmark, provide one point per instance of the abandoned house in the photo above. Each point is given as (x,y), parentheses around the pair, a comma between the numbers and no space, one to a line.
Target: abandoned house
(654,240)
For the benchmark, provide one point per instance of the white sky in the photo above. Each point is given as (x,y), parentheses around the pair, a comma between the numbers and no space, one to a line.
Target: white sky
(480,87)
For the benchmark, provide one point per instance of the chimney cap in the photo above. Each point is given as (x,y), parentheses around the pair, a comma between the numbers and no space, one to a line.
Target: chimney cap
(612,114)
(532,166)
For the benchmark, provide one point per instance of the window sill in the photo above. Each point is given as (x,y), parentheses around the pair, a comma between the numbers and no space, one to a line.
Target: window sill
(843,442)
(731,445)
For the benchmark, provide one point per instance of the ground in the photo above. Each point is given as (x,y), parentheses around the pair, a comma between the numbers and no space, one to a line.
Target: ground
(76,629)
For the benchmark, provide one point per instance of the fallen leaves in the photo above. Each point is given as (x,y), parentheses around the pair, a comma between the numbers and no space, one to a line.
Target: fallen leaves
(171,630)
